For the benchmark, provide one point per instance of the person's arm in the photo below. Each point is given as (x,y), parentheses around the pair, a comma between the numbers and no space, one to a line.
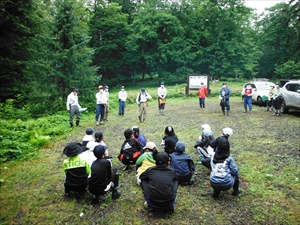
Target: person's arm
(137,99)
(68,103)
(232,166)
(148,96)
(87,168)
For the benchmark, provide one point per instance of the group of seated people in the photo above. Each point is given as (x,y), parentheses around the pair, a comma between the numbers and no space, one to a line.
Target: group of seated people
(157,173)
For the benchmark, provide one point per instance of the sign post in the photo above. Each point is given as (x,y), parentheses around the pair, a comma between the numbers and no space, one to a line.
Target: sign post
(194,81)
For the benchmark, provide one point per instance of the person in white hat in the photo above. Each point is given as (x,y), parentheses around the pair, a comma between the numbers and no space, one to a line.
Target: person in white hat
(146,160)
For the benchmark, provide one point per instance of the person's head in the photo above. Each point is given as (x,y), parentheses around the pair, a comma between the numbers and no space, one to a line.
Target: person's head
(136,131)
(150,146)
(161,159)
(205,127)
(122,88)
(207,132)
(278,84)
(143,90)
(99,151)
(73,149)
(224,85)
(100,87)
(98,136)
(202,84)
(227,132)
(89,131)
(128,133)
(75,91)
(180,146)
(169,131)
(162,84)
(105,88)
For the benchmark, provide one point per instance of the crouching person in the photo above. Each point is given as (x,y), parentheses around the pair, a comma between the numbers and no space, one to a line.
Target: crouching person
(130,149)
(183,164)
(76,170)
(224,175)
(159,184)
(103,177)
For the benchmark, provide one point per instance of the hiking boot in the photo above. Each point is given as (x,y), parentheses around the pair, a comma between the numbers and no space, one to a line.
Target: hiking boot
(236,192)
(71,125)
(101,123)
(95,199)
(77,123)
(191,182)
(77,195)
(116,193)
(97,123)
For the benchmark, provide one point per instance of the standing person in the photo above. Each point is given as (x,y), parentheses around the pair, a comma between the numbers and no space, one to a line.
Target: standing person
(106,107)
(139,136)
(224,175)
(277,99)
(162,94)
(169,140)
(76,170)
(141,99)
(73,107)
(270,101)
(202,93)
(225,95)
(159,184)
(247,93)
(122,101)
(130,149)
(103,177)
(183,164)
(101,101)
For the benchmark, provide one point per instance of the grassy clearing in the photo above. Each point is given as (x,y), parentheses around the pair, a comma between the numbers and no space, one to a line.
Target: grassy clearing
(265,148)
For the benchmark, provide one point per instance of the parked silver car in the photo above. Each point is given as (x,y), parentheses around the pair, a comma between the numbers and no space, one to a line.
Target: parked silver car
(291,96)
(260,91)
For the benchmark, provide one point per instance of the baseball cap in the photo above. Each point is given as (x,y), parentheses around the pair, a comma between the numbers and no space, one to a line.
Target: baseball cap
(161,158)
(89,131)
(150,145)
(180,146)
(227,131)
(99,151)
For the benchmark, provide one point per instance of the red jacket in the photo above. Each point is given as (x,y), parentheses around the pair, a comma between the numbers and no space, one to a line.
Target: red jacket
(202,92)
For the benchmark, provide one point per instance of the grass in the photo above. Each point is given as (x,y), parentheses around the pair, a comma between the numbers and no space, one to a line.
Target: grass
(266,150)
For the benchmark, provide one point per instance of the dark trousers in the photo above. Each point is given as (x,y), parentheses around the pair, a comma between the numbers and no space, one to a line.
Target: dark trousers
(218,189)
(80,188)
(100,109)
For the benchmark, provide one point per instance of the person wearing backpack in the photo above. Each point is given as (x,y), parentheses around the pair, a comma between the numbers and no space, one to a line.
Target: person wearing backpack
(223,175)
(130,149)
(141,100)
(221,147)
(183,164)
(76,170)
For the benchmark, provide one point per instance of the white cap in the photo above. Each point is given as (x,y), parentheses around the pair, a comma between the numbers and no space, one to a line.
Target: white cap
(227,131)
(150,145)
(205,127)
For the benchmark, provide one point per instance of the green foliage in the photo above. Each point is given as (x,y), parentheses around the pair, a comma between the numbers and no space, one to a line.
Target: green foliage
(20,139)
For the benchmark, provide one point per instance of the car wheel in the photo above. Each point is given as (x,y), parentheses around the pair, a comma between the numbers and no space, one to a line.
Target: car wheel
(259,101)
(283,108)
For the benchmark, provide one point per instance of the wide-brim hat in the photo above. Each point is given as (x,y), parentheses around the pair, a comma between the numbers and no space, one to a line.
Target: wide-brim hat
(73,149)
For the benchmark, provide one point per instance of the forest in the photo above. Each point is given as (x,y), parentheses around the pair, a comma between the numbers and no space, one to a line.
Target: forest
(48,47)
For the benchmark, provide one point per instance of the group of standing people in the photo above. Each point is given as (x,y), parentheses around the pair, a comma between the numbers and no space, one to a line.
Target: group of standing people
(274,99)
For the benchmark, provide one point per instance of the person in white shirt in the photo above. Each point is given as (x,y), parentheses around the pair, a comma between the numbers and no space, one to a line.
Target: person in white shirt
(106,108)
(101,100)
(162,94)
(122,101)
(141,99)
(73,107)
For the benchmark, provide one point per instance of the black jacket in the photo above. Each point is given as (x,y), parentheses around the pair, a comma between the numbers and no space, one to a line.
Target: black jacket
(170,142)
(161,183)
(100,175)
(129,147)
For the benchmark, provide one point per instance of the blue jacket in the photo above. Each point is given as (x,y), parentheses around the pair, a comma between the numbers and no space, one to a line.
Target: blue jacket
(223,173)
(227,92)
(182,163)
(142,140)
